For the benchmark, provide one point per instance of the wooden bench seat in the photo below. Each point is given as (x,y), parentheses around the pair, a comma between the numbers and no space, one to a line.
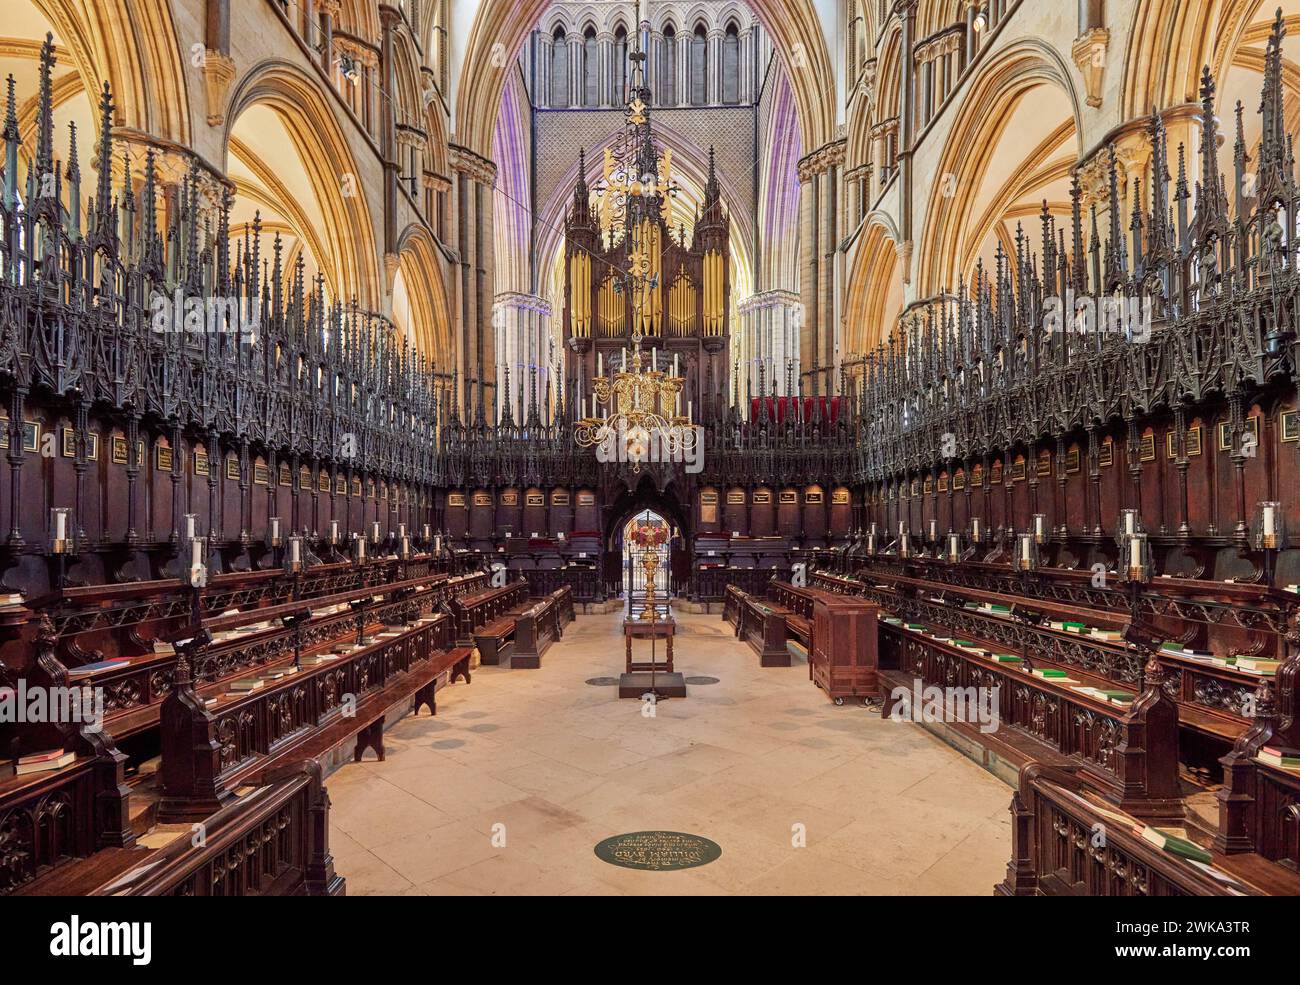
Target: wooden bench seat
(495,641)
(416,689)
(540,626)
(271,840)
(1054,720)
(799,628)
(1206,695)
(759,623)
(207,753)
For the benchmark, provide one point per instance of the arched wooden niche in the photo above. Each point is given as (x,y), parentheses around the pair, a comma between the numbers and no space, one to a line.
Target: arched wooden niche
(762,512)
(841,511)
(814,511)
(561,521)
(457,513)
(534,522)
(737,512)
(710,511)
(508,512)
(481,514)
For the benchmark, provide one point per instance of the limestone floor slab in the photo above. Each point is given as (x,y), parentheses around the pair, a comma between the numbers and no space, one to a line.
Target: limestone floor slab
(509,788)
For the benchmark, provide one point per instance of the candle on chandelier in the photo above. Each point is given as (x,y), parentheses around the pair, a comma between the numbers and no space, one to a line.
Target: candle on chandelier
(654,360)
(600,364)
(674,364)
(196,551)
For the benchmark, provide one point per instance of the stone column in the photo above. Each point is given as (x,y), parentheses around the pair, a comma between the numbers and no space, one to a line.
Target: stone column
(827,241)
(605,70)
(906,115)
(543,74)
(389,17)
(713,89)
(808,248)
(474,178)
(683,69)
(575,71)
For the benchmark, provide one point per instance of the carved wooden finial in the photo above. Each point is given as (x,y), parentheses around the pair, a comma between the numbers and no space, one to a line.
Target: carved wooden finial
(47,637)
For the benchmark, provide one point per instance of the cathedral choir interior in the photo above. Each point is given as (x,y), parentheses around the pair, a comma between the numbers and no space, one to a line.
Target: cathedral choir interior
(650,447)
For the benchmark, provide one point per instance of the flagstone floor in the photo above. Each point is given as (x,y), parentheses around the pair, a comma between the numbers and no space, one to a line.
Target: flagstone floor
(510,787)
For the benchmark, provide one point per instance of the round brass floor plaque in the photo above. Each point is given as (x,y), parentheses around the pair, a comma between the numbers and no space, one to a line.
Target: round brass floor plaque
(658,851)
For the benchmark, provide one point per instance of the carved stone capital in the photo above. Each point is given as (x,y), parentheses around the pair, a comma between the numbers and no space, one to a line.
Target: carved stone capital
(819,161)
(465,161)
(218,73)
(1089,52)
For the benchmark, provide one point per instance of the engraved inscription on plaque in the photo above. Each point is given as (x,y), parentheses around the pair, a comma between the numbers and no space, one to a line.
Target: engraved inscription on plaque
(658,851)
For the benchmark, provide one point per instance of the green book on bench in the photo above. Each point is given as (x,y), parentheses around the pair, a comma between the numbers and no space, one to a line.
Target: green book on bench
(1176,844)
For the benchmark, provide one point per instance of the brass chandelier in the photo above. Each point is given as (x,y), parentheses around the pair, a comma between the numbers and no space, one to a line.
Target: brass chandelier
(643,402)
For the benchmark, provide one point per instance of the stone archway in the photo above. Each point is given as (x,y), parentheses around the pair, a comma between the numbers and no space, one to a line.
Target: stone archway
(630,499)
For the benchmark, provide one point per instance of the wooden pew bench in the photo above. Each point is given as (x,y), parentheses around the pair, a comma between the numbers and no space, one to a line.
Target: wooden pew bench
(209,751)
(486,619)
(1054,820)
(236,651)
(760,624)
(236,858)
(537,627)
(496,641)
(799,622)
(1210,698)
(1127,752)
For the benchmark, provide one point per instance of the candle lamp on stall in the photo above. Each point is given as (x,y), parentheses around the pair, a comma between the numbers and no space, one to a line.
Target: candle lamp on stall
(62,541)
(1268,535)
(1135,569)
(294,622)
(294,557)
(197,548)
(1027,618)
